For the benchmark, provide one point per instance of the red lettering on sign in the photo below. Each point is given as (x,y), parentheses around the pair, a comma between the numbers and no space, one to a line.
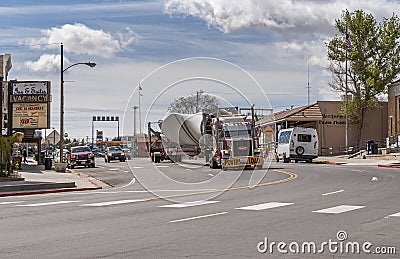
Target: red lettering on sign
(24,121)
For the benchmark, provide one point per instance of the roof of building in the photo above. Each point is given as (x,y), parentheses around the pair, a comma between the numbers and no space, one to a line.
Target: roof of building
(310,112)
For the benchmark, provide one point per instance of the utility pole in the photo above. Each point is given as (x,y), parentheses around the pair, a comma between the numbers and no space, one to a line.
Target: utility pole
(134,120)
(308,83)
(140,115)
(346,100)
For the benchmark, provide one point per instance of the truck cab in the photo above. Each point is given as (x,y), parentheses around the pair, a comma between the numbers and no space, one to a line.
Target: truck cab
(234,144)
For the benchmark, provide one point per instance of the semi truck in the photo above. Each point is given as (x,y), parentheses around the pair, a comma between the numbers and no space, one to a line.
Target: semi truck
(235,142)
(226,138)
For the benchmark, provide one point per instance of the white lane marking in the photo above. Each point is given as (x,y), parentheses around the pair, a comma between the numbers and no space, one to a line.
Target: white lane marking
(137,167)
(265,206)
(114,169)
(339,209)
(125,171)
(46,203)
(329,193)
(10,202)
(199,217)
(188,204)
(211,175)
(162,166)
(358,171)
(108,203)
(395,215)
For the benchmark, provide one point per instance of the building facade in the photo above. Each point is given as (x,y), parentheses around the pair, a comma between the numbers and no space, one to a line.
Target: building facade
(326,118)
(394,109)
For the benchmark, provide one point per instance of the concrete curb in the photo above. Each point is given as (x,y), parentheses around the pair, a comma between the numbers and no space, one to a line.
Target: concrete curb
(330,163)
(48,191)
(30,186)
(388,166)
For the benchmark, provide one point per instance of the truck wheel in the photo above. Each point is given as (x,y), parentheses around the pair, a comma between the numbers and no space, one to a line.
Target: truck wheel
(92,165)
(71,166)
(286,160)
(213,164)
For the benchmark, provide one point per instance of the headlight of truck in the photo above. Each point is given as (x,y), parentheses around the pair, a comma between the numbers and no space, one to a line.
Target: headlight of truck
(122,154)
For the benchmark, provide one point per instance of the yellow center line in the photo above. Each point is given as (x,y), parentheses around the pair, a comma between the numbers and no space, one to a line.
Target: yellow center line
(291,177)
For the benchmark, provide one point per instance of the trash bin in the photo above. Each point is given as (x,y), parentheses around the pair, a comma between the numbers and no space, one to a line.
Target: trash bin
(47,163)
(17,160)
(374,149)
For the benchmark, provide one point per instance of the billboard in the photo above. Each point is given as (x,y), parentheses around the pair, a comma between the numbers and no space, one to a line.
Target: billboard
(29,115)
(29,104)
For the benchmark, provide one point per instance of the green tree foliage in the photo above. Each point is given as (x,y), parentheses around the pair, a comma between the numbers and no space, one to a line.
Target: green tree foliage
(193,103)
(373,60)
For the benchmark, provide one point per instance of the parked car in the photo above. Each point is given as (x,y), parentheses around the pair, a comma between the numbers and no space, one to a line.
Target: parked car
(114,153)
(80,155)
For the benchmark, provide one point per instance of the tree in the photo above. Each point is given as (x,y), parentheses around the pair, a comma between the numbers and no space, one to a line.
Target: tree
(194,103)
(373,54)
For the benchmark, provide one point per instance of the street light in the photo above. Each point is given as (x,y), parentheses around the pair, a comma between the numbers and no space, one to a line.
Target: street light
(134,119)
(62,70)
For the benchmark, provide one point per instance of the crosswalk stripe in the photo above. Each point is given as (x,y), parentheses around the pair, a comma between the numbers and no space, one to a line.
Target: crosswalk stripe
(265,206)
(188,204)
(339,209)
(10,202)
(46,203)
(395,215)
(108,203)
(199,217)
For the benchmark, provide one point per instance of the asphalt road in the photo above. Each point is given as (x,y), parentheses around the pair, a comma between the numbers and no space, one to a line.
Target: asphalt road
(218,215)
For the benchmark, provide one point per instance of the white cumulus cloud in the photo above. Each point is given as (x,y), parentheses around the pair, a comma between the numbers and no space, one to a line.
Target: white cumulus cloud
(46,63)
(78,39)
(231,15)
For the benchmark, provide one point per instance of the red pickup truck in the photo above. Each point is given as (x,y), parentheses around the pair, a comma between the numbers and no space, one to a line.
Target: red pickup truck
(80,155)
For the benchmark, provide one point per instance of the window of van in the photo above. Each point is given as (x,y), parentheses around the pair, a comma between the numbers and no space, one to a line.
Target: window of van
(304,138)
(284,137)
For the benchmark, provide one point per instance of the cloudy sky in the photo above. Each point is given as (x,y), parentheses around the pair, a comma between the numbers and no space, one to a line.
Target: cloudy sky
(257,52)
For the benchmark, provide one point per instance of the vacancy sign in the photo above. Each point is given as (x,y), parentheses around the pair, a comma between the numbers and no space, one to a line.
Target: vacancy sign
(30,101)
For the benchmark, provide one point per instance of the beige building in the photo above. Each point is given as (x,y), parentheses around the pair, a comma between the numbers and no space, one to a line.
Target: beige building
(394,109)
(324,116)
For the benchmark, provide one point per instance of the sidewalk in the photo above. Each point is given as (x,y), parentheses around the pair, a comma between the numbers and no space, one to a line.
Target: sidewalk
(388,161)
(40,181)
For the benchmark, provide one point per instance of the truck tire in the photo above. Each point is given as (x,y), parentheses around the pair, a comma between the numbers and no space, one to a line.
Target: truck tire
(285,160)
(213,164)
(157,159)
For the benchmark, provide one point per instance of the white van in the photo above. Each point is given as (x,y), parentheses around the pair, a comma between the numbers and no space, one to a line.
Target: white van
(297,144)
